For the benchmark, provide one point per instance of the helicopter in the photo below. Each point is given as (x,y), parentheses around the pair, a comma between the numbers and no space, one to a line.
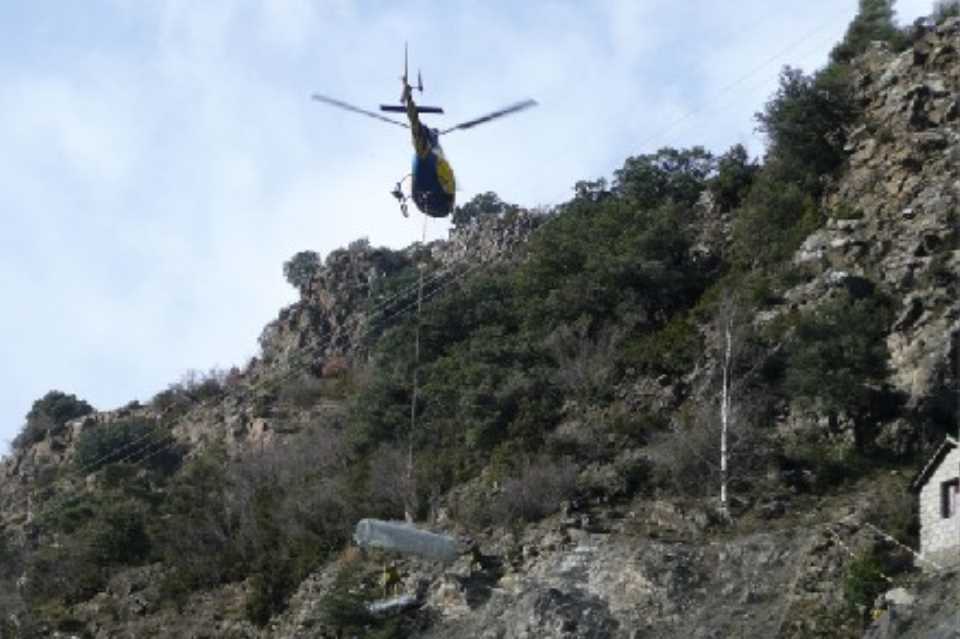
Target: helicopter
(433,185)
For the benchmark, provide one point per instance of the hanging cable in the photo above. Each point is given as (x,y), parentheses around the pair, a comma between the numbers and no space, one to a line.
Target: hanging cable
(408,509)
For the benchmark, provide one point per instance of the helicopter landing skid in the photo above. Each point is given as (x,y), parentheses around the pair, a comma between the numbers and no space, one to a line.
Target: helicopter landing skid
(402,198)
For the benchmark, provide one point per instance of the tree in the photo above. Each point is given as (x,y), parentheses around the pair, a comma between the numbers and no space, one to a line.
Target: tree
(300,269)
(669,175)
(717,445)
(591,190)
(773,221)
(482,205)
(49,415)
(874,21)
(127,440)
(838,357)
(805,123)
(739,360)
(735,174)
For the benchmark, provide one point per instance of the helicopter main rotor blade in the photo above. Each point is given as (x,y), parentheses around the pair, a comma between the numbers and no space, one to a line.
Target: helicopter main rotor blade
(513,108)
(350,107)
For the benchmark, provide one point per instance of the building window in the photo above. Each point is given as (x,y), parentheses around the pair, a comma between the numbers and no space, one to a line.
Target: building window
(949,498)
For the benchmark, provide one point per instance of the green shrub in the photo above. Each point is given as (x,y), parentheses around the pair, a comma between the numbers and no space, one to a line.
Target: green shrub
(71,514)
(637,426)
(671,350)
(172,402)
(118,535)
(885,135)
(864,582)
(66,573)
(344,607)
(846,211)
(125,439)
(822,467)
(775,218)
(795,275)
(272,583)
(195,532)
(48,415)
(302,391)
(838,357)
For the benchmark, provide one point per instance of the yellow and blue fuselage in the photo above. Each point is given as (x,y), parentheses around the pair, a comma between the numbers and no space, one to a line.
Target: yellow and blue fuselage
(433,182)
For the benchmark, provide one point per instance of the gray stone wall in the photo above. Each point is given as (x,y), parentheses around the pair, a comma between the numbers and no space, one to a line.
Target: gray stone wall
(939,537)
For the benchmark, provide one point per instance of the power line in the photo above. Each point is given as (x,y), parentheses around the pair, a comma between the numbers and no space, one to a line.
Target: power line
(323,340)
(446,276)
(384,304)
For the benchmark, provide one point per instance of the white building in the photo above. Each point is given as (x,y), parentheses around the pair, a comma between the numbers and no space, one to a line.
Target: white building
(938,485)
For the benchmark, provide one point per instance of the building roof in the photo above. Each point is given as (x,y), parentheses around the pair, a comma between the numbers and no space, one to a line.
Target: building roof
(948,444)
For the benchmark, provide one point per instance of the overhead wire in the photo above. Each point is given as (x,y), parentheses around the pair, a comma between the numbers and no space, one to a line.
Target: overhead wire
(324,339)
(169,440)
(447,276)
(672,124)
(661,131)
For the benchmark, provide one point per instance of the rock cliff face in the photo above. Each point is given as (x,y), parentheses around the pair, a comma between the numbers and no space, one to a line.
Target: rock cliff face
(897,209)
(650,568)
(894,220)
(34,468)
(344,304)
(330,318)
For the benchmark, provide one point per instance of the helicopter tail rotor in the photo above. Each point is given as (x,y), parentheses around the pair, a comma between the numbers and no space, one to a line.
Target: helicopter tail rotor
(407,88)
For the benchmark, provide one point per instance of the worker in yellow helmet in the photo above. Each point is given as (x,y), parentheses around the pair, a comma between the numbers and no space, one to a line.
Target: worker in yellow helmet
(390,579)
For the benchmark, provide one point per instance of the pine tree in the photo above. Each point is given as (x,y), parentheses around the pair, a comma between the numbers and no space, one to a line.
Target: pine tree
(874,21)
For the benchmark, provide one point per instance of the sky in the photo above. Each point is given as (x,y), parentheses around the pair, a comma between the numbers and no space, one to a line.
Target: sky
(162,159)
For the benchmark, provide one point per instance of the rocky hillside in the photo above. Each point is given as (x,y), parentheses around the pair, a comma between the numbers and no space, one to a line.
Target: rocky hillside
(896,208)
(567,415)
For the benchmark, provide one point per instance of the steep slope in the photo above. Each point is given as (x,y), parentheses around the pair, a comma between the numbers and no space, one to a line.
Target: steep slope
(895,212)
(266,472)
